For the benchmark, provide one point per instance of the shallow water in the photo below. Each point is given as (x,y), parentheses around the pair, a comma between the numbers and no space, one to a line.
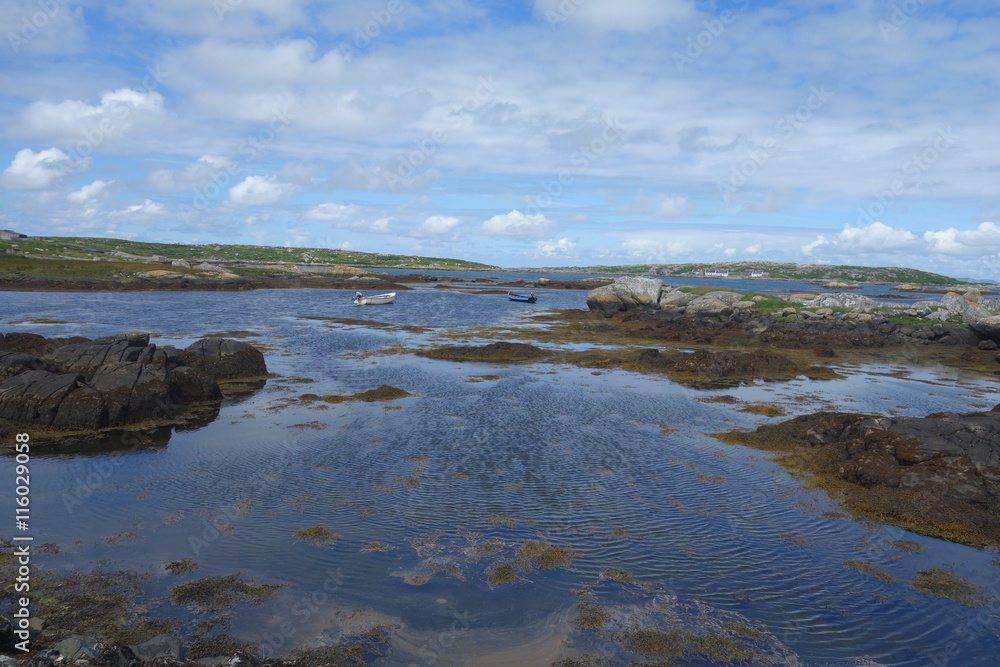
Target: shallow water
(616,466)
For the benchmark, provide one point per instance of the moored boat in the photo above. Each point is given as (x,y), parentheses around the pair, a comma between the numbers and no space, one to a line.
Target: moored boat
(375,300)
(525,298)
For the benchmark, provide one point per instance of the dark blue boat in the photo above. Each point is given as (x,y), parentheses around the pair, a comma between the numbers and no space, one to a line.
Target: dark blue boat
(526,298)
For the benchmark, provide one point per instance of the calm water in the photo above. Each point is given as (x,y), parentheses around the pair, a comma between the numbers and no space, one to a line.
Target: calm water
(615,466)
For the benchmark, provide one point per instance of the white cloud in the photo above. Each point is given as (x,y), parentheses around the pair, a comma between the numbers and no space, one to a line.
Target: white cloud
(628,15)
(91,125)
(674,208)
(204,170)
(37,171)
(88,192)
(436,225)
(552,247)
(30,27)
(820,240)
(349,216)
(516,223)
(332,212)
(240,18)
(983,240)
(876,237)
(140,213)
(260,190)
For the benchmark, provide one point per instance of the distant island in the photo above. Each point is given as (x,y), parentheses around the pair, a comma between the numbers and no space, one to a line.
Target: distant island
(773,271)
(107,263)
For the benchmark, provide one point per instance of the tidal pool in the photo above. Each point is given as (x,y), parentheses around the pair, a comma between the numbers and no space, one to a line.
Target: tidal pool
(514,514)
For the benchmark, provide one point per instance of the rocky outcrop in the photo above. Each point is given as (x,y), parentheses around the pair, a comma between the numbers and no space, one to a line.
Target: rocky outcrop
(938,474)
(838,300)
(858,321)
(627,293)
(971,307)
(92,384)
(225,359)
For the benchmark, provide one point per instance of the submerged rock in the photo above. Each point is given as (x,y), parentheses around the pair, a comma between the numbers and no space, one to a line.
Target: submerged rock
(939,474)
(500,351)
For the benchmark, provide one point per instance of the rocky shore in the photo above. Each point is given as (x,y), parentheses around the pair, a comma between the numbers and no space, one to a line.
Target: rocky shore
(170,651)
(79,384)
(938,475)
(832,320)
(164,280)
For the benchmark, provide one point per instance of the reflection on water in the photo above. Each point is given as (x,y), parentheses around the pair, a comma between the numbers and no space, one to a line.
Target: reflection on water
(473,517)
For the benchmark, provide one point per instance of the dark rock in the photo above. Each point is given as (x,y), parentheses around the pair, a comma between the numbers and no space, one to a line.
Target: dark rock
(88,357)
(987,345)
(163,646)
(86,384)
(133,391)
(6,633)
(73,649)
(34,397)
(12,363)
(132,339)
(83,408)
(191,385)
(225,359)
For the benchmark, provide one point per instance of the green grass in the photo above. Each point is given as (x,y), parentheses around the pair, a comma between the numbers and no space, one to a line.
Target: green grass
(771,304)
(81,247)
(15,266)
(781,271)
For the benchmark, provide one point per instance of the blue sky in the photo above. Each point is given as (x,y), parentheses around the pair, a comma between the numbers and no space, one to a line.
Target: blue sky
(531,133)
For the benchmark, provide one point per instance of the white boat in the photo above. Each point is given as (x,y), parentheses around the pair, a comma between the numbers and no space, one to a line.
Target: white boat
(378,299)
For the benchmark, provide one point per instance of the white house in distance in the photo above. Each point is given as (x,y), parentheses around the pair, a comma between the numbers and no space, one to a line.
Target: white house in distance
(716,274)
(8,235)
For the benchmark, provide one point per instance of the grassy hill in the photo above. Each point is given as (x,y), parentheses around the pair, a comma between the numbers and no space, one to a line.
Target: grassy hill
(79,248)
(74,256)
(781,270)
